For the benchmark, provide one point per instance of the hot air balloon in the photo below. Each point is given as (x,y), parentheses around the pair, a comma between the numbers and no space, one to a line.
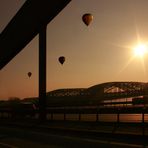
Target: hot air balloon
(87,18)
(29,74)
(62,59)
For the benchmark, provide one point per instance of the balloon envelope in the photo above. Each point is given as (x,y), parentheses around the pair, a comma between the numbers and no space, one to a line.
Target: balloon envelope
(87,18)
(29,74)
(62,59)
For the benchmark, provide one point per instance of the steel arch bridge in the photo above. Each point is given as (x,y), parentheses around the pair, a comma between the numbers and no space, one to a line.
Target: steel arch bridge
(104,91)
(116,90)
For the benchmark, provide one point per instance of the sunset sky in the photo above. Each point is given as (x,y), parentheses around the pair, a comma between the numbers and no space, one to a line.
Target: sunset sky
(101,52)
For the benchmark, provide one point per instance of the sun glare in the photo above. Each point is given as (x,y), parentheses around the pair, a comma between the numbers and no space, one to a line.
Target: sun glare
(140,50)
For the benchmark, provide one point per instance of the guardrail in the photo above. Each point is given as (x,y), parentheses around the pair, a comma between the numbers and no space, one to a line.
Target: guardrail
(98,114)
(82,110)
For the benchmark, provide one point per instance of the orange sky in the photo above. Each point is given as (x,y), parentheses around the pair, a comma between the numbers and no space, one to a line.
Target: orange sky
(98,53)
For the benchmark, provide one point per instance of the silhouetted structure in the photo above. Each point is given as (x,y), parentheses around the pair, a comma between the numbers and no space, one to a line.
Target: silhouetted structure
(102,92)
(31,19)
(25,25)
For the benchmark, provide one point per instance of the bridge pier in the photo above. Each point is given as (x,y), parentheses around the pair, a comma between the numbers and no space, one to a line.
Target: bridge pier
(42,73)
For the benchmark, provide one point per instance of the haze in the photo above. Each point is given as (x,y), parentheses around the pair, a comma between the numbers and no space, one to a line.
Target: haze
(101,52)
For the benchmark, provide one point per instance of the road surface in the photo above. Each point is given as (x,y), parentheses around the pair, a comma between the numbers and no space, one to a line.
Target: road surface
(18,137)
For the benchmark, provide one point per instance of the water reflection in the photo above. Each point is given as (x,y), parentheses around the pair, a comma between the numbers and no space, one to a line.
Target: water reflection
(100,117)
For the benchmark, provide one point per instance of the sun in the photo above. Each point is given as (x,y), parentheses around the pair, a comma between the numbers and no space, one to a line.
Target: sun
(140,50)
